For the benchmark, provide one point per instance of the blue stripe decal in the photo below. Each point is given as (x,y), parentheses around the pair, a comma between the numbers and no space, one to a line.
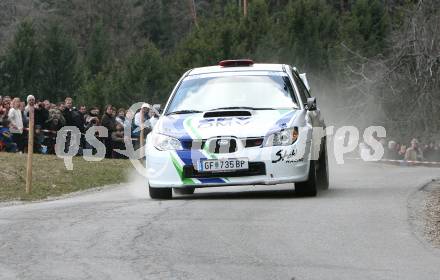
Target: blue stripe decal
(285,119)
(190,157)
(178,123)
(185,156)
(211,180)
(281,123)
(173,126)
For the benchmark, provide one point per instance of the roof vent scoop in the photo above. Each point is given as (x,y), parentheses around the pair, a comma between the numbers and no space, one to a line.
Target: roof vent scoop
(227,113)
(236,63)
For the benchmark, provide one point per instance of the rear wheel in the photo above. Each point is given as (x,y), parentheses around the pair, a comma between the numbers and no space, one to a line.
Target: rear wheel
(160,193)
(184,190)
(309,187)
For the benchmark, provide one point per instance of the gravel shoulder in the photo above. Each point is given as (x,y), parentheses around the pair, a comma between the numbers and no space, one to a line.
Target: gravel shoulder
(432,213)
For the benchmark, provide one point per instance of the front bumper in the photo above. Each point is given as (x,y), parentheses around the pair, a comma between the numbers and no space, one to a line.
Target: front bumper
(287,164)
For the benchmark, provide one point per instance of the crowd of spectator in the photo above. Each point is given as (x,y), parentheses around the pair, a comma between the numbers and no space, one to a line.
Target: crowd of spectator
(412,152)
(50,118)
(415,151)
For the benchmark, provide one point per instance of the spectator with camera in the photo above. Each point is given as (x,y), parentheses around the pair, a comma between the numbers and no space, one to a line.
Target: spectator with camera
(120,118)
(92,118)
(145,111)
(54,123)
(118,141)
(6,105)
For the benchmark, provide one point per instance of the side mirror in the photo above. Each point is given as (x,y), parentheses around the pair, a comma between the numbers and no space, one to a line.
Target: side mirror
(303,77)
(311,104)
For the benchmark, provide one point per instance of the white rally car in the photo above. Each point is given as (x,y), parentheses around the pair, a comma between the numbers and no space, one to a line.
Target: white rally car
(238,123)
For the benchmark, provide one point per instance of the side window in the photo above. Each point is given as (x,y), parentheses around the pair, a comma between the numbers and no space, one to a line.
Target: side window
(304,94)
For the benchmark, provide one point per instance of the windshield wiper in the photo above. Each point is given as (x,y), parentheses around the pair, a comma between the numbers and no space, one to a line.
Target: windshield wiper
(180,112)
(241,107)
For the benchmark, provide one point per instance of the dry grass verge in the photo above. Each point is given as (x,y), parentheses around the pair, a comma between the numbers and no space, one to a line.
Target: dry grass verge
(51,178)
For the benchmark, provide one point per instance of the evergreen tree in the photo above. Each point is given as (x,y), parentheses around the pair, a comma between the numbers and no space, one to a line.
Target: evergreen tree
(217,38)
(311,28)
(98,53)
(254,29)
(59,64)
(93,91)
(165,22)
(156,22)
(367,27)
(22,63)
(145,76)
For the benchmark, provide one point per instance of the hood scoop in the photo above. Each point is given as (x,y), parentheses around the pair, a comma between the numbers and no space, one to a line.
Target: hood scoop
(227,113)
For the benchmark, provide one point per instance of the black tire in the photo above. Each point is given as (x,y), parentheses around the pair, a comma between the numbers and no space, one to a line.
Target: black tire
(309,187)
(184,190)
(160,193)
(322,173)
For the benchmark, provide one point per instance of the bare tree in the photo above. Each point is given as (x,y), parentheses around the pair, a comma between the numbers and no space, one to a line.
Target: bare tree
(402,90)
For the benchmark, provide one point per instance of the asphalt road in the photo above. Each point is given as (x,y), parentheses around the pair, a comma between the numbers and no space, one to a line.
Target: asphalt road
(359,229)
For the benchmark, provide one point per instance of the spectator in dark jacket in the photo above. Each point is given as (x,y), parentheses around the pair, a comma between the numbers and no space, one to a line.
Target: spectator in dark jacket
(43,112)
(72,115)
(109,121)
(73,118)
(67,111)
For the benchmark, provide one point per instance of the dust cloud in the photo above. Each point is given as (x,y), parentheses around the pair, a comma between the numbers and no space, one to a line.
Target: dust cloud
(137,184)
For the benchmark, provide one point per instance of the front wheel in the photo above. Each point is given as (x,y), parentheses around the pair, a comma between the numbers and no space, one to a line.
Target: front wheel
(322,172)
(160,193)
(309,187)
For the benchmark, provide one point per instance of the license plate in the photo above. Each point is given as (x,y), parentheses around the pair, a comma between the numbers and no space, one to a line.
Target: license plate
(211,165)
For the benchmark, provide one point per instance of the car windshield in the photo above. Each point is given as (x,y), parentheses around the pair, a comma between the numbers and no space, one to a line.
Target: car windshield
(256,91)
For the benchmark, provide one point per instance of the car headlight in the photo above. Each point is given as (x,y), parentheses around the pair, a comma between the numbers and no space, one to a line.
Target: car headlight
(284,137)
(165,143)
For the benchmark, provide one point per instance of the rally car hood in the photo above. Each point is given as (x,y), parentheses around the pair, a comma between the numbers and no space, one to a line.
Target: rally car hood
(259,123)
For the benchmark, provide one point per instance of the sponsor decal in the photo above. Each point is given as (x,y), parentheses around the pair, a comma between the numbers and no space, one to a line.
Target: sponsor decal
(222,122)
(287,156)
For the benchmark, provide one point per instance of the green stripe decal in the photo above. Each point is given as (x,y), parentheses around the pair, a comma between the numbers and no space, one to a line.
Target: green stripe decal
(179,169)
(283,112)
(194,131)
(187,122)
